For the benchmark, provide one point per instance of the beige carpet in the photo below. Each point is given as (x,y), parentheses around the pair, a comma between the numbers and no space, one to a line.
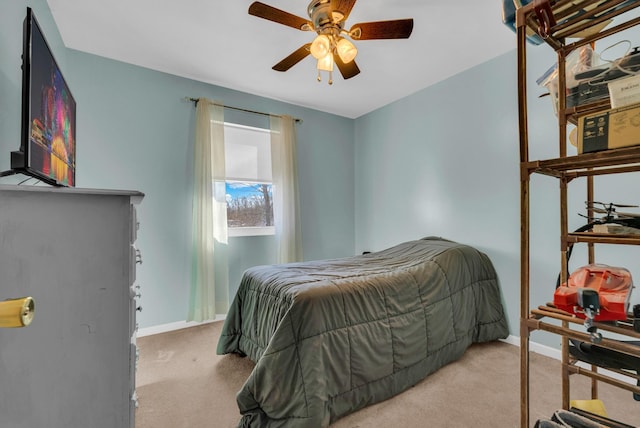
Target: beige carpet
(182,383)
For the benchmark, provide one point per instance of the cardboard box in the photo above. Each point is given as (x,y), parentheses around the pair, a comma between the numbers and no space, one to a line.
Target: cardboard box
(609,129)
(624,92)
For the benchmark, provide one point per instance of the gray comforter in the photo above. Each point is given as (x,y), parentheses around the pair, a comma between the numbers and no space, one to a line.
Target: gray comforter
(331,337)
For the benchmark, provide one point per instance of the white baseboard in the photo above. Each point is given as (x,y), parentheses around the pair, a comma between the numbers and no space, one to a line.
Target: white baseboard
(545,350)
(179,325)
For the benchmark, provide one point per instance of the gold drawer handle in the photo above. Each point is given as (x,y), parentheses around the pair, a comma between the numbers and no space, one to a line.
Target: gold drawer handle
(17,312)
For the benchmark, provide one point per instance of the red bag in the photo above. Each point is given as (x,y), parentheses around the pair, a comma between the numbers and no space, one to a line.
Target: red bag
(613,285)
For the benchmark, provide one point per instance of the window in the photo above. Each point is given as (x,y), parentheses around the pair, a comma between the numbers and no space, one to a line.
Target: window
(248,180)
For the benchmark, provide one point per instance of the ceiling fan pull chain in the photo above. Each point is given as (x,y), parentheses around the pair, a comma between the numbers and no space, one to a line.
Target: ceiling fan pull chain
(330,77)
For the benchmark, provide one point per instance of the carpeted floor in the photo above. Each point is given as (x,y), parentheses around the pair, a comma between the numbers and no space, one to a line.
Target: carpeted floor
(182,383)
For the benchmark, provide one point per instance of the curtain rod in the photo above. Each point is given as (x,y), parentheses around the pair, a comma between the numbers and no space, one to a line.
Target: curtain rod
(195,101)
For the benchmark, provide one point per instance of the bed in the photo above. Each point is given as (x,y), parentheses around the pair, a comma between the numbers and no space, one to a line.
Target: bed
(333,336)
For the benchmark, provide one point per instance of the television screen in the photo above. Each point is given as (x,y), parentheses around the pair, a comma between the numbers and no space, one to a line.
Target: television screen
(48,146)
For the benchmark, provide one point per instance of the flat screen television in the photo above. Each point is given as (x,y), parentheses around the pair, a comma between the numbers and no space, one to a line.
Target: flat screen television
(48,136)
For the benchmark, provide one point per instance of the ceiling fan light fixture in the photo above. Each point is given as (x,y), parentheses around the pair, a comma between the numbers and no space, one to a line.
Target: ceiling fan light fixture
(325,63)
(320,47)
(328,19)
(346,50)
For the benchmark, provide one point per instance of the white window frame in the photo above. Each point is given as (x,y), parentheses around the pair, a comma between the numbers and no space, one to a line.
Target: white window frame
(248,231)
(251,231)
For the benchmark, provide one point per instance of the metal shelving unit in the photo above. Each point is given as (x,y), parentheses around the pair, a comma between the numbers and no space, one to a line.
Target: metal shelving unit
(558,23)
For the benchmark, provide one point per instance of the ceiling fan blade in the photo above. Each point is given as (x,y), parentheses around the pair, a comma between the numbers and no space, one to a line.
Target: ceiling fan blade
(293,59)
(270,13)
(396,29)
(347,70)
(343,6)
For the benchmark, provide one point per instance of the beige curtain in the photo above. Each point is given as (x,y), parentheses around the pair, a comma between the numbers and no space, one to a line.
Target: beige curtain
(286,211)
(209,268)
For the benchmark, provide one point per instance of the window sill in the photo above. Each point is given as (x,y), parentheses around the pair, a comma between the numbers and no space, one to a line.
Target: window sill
(251,231)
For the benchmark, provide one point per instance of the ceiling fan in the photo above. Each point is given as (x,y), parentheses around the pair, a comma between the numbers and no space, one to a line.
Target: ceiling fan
(327,19)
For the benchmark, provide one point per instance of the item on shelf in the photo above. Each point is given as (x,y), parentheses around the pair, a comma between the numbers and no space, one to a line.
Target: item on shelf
(577,62)
(615,229)
(589,76)
(610,129)
(612,217)
(593,82)
(567,419)
(606,358)
(509,8)
(623,222)
(624,92)
(589,302)
(594,406)
(611,285)
(573,137)
(603,420)
(547,20)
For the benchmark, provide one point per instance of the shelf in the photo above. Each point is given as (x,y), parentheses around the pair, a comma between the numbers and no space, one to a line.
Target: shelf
(572,113)
(612,161)
(602,238)
(536,321)
(565,26)
(621,327)
(571,19)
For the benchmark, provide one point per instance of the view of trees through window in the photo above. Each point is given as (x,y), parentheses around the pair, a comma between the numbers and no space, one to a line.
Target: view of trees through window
(249,204)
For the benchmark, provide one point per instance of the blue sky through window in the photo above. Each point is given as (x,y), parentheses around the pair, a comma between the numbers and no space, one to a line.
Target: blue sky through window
(242,190)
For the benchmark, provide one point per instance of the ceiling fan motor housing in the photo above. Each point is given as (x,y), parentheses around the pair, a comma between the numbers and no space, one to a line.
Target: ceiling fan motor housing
(324,19)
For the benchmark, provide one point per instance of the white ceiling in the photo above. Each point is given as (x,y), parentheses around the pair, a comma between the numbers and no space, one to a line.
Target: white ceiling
(218,42)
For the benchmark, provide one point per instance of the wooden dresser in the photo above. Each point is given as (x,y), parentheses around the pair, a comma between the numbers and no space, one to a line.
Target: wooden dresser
(73,251)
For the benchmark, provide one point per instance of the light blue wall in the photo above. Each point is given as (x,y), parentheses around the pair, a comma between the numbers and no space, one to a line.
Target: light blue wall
(135,131)
(444,161)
